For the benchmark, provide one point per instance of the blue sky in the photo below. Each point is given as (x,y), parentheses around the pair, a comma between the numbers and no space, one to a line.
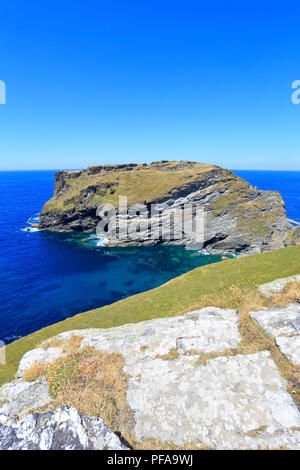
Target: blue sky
(135,81)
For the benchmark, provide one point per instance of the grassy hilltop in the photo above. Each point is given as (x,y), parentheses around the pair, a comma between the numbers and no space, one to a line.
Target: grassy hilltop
(139,182)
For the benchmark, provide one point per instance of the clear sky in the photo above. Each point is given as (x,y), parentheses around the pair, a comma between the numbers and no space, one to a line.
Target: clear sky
(113,81)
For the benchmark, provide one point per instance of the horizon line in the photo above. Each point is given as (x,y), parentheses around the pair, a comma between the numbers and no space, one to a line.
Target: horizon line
(81,169)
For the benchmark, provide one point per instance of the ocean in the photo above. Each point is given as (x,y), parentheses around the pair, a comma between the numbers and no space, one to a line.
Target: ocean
(47,277)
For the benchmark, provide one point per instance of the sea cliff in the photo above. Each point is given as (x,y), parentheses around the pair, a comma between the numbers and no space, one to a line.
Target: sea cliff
(238,217)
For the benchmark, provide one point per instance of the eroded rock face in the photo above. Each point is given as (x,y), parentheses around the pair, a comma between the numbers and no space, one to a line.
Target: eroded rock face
(238,217)
(63,429)
(277,286)
(283,324)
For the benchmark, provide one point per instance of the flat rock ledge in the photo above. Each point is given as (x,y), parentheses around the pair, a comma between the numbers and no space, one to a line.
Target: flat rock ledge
(228,402)
(283,324)
(208,330)
(63,429)
(275,287)
(236,402)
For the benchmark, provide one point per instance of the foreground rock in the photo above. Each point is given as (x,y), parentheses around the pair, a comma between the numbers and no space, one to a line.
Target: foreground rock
(238,217)
(63,429)
(20,397)
(283,324)
(208,330)
(275,287)
(228,402)
(236,402)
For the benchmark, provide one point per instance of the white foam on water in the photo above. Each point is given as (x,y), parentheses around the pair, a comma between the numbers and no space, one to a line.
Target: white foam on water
(30,229)
(102,242)
(204,252)
(94,241)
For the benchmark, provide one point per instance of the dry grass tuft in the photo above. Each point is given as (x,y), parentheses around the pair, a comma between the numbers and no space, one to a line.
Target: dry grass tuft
(33,372)
(154,444)
(170,356)
(39,368)
(67,345)
(290,294)
(94,383)
(203,358)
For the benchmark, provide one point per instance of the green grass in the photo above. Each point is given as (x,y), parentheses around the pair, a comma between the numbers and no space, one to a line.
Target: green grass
(177,296)
(135,184)
(64,370)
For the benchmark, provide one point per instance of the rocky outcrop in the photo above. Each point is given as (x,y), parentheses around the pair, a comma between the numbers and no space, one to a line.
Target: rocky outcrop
(187,383)
(208,330)
(238,217)
(63,429)
(275,287)
(283,324)
(17,398)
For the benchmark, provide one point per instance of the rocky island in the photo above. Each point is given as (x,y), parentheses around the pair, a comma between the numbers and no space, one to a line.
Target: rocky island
(238,217)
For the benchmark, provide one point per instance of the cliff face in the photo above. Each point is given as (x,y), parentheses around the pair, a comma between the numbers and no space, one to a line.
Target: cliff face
(238,218)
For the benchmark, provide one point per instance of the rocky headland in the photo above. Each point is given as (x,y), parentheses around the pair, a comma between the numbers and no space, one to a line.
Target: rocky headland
(238,217)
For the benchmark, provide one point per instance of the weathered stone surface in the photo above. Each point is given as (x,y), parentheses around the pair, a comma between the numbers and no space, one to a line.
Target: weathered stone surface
(283,324)
(229,403)
(19,397)
(207,330)
(290,347)
(37,355)
(63,429)
(277,286)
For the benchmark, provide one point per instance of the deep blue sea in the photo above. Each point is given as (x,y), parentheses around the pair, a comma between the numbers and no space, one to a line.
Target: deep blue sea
(47,277)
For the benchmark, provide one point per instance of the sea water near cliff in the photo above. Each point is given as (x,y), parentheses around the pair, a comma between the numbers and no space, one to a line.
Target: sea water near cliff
(47,277)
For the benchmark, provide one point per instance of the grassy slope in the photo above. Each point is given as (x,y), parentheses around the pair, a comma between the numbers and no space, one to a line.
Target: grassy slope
(195,289)
(153,183)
